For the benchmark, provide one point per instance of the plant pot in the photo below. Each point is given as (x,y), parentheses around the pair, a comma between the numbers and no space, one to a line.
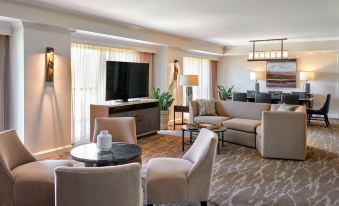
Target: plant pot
(164,117)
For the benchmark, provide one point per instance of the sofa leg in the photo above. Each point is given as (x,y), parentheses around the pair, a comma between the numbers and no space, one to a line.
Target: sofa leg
(149,204)
(203,203)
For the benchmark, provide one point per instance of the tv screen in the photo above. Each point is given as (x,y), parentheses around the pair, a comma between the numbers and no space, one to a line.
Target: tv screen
(126,80)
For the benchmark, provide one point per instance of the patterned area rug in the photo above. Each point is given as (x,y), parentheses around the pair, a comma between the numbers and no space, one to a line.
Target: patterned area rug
(242,177)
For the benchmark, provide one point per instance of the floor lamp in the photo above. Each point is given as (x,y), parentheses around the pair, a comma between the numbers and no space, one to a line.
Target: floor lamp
(189,81)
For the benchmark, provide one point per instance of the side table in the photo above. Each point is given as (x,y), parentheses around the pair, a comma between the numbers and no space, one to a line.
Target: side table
(182,109)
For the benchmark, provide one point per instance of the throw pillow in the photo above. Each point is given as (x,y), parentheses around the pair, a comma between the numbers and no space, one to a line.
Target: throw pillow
(286,108)
(206,107)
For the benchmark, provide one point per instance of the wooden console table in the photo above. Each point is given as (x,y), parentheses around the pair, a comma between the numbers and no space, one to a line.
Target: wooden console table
(182,109)
(146,113)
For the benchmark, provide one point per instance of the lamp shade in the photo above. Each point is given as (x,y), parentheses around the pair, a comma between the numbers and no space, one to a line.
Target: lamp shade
(189,80)
(306,76)
(254,76)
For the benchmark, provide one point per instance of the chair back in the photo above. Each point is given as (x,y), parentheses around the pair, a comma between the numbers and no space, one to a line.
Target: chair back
(104,186)
(202,154)
(240,97)
(326,107)
(275,94)
(301,95)
(122,129)
(290,99)
(263,98)
(251,93)
(12,154)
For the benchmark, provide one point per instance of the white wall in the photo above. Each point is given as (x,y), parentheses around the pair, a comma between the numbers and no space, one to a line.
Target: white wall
(47,105)
(16,98)
(234,70)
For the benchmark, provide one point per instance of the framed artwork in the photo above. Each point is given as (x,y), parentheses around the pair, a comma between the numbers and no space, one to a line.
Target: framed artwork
(281,74)
(49,64)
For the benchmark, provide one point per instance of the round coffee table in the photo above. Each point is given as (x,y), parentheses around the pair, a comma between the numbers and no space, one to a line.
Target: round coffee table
(195,130)
(120,153)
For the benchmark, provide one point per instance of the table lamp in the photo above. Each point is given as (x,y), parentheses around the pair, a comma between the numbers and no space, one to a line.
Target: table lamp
(188,81)
(305,76)
(255,76)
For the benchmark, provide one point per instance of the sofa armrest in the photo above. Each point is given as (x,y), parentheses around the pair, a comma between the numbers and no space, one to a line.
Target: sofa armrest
(193,110)
(284,135)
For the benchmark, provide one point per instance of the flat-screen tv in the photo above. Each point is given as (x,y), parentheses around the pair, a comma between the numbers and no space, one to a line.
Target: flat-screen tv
(125,80)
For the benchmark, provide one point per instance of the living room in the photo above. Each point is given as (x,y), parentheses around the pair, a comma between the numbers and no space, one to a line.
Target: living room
(259,80)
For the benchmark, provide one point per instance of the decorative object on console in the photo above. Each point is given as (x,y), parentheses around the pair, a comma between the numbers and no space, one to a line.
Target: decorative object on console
(225,93)
(104,141)
(255,76)
(268,55)
(49,57)
(306,76)
(281,73)
(189,81)
(165,101)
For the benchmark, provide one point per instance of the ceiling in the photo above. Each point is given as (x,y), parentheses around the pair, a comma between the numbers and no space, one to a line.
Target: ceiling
(225,22)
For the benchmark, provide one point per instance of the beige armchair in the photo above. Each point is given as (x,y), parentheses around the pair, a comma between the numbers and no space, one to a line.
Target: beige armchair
(122,129)
(104,186)
(172,180)
(24,181)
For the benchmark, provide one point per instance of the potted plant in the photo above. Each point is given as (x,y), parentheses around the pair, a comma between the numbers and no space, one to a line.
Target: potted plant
(225,93)
(165,101)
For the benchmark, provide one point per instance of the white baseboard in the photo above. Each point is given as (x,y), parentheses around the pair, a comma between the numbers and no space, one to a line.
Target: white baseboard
(54,151)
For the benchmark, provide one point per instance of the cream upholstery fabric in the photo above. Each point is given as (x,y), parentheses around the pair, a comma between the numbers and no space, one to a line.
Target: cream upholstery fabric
(240,137)
(34,182)
(122,129)
(104,186)
(24,181)
(171,180)
(246,125)
(241,110)
(284,134)
(210,119)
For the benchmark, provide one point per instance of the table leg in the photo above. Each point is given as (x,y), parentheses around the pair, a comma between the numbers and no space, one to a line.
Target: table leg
(190,137)
(182,118)
(222,135)
(183,140)
(218,146)
(174,120)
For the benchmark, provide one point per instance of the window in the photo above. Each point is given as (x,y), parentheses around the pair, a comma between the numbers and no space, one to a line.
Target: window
(201,67)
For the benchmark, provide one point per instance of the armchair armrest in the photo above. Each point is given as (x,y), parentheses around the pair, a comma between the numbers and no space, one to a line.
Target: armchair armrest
(284,135)
(193,110)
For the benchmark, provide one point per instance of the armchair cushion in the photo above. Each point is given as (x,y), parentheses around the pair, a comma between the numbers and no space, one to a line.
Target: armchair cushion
(34,182)
(165,174)
(246,125)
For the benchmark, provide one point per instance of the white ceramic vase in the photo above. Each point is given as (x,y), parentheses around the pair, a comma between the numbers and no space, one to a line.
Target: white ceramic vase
(104,141)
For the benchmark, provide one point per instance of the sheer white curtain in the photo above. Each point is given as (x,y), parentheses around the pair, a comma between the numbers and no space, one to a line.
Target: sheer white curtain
(89,80)
(201,67)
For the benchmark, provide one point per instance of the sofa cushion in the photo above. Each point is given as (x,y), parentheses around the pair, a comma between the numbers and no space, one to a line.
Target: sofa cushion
(241,110)
(206,107)
(210,119)
(34,182)
(246,125)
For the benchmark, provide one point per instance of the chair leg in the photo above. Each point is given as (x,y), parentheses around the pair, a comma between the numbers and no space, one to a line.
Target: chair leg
(203,203)
(326,120)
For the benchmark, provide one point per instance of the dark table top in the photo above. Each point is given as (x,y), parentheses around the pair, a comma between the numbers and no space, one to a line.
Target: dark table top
(119,153)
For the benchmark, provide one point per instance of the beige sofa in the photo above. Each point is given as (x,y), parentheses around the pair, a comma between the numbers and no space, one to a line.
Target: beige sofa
(275,134)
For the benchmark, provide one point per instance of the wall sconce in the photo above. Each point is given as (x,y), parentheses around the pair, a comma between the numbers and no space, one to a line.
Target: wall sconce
(49,64)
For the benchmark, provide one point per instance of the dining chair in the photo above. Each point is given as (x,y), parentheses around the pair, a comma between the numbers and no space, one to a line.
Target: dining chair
(25,181)
(240,97)
(221,96)
(323,111)
(251,95)
(174,180)
(290,99)
(263,98)
(276,93)
(104,186)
